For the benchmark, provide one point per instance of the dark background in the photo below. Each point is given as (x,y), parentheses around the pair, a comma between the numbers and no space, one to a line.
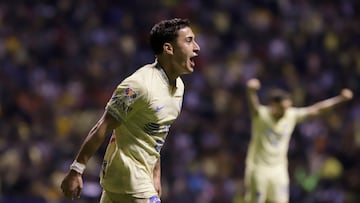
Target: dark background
(61,60)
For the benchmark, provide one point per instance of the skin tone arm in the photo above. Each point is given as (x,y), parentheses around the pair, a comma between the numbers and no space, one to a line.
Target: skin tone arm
(252,86)
(314,110)
(157,177)
(72,183)
(328,104)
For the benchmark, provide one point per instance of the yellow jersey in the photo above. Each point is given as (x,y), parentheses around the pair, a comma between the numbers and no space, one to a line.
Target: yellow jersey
(270,139)
(146,105)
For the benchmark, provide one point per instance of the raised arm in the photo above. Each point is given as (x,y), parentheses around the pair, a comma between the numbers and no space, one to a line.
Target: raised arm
(251,90)
(328,104)
(72,183)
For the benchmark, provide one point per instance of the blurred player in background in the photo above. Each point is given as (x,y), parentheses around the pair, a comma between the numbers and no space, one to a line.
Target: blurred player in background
(139,116)
(266,174)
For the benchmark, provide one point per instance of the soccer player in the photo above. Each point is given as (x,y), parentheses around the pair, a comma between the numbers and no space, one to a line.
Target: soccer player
(266,174)
(139,115)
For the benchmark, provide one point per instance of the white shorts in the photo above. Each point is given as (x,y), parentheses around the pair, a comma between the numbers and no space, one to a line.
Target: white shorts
(109,197)
(266,183)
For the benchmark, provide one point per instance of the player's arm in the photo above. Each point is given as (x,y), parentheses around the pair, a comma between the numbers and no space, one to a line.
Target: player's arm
(157,177)
(251,90)
(72,183)
(328,104)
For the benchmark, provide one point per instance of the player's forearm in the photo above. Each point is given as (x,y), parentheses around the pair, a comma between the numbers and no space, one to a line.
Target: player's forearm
(92,143)
(253,99)
(328,104)
(251,90)
(96,137)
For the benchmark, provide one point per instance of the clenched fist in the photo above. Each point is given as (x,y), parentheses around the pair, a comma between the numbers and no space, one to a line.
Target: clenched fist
(253,84)
(72,185)
(347,94)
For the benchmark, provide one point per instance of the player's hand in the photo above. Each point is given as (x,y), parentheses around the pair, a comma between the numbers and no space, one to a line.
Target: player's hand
(347,94)
(72,185)
(253,84)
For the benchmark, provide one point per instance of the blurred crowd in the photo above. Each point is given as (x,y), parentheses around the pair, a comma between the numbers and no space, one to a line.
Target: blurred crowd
(61,60)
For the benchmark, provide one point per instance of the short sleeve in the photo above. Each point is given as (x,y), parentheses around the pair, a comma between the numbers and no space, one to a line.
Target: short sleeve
(300,114)
(126,100)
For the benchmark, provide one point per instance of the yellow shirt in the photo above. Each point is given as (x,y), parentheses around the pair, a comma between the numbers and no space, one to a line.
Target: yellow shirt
(269,142)
(146,105)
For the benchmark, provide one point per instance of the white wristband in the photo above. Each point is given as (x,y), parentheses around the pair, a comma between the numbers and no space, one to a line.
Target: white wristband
(78,167)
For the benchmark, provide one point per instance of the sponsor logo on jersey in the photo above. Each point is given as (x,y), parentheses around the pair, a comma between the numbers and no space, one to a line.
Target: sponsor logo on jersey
(124,100)
(130,94)
(121,104)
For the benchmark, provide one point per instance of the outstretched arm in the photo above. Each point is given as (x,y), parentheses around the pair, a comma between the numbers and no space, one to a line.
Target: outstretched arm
(72,183)
(251,90)
(328,104)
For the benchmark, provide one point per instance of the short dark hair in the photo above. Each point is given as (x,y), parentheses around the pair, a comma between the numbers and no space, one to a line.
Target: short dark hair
(166,31)
(277,95)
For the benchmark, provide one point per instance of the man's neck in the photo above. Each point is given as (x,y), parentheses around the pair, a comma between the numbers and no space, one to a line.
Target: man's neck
(171,77)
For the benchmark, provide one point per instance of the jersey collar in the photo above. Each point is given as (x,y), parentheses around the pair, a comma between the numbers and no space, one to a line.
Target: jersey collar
(163,74)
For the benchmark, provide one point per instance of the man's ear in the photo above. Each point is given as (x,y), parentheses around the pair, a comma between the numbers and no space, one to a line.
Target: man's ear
(168,48)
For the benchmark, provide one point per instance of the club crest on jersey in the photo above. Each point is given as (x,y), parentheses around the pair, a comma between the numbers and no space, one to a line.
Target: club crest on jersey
(130,94)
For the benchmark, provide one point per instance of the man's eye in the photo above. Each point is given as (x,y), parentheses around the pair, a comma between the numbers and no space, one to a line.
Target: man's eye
(189,39)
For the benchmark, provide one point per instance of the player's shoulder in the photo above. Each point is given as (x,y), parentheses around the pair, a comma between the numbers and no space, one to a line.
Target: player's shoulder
(294,111)
(143,72)
(141,76)
(262,112)
(262,109)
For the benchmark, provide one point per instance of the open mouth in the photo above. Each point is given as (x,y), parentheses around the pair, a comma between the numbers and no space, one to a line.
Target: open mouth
(192,61)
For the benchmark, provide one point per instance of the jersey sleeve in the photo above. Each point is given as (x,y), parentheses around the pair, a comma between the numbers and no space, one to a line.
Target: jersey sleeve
(300,114)
(127,99)
(261,112)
